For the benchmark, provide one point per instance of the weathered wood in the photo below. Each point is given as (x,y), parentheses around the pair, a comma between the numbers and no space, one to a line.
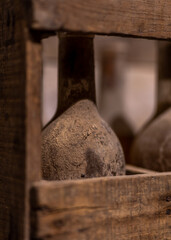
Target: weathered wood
(120,208)
(20,73)
(142,18)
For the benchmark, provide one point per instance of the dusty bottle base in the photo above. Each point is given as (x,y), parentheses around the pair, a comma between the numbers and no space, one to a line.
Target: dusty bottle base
(79,144)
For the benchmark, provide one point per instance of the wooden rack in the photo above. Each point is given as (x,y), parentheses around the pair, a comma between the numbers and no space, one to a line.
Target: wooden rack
(115,208)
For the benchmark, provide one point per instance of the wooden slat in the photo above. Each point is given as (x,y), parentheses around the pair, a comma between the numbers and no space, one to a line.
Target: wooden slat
(20,126)
(112,208)
(141,18)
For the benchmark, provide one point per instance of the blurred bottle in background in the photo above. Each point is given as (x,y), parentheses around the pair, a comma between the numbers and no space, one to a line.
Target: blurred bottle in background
(112,66)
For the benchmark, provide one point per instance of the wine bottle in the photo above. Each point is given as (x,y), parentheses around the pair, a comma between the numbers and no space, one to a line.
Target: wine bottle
(78,143)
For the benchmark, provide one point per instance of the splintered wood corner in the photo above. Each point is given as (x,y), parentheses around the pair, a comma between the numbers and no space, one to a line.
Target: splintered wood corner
(141,18)
(120,208)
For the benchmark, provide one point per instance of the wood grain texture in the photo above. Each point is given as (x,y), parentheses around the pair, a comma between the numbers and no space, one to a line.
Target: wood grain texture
(119,208)
(19,119)
(142,18)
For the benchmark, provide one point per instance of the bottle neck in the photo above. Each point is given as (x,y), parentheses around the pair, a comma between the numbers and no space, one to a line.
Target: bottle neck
(76,70)
(164,76)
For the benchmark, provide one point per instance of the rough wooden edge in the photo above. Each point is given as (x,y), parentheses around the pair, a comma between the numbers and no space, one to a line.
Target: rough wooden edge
(32,119)
(140,18)
(20,126)
(114,208)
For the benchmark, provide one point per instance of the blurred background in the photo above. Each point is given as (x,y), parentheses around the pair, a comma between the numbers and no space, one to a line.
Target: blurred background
(126,77)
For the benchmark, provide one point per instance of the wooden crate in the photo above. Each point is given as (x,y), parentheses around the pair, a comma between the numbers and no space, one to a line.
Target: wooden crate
(116,208)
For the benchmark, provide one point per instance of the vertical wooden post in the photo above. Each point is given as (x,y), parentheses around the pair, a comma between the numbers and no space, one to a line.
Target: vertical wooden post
(20,72)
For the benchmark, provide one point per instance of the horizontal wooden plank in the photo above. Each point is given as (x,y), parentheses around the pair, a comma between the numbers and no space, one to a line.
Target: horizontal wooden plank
(113,208)
(141,18)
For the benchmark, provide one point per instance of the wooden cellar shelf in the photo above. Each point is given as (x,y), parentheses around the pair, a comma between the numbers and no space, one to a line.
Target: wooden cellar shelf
(140,18)
(123,208)
(130,207)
